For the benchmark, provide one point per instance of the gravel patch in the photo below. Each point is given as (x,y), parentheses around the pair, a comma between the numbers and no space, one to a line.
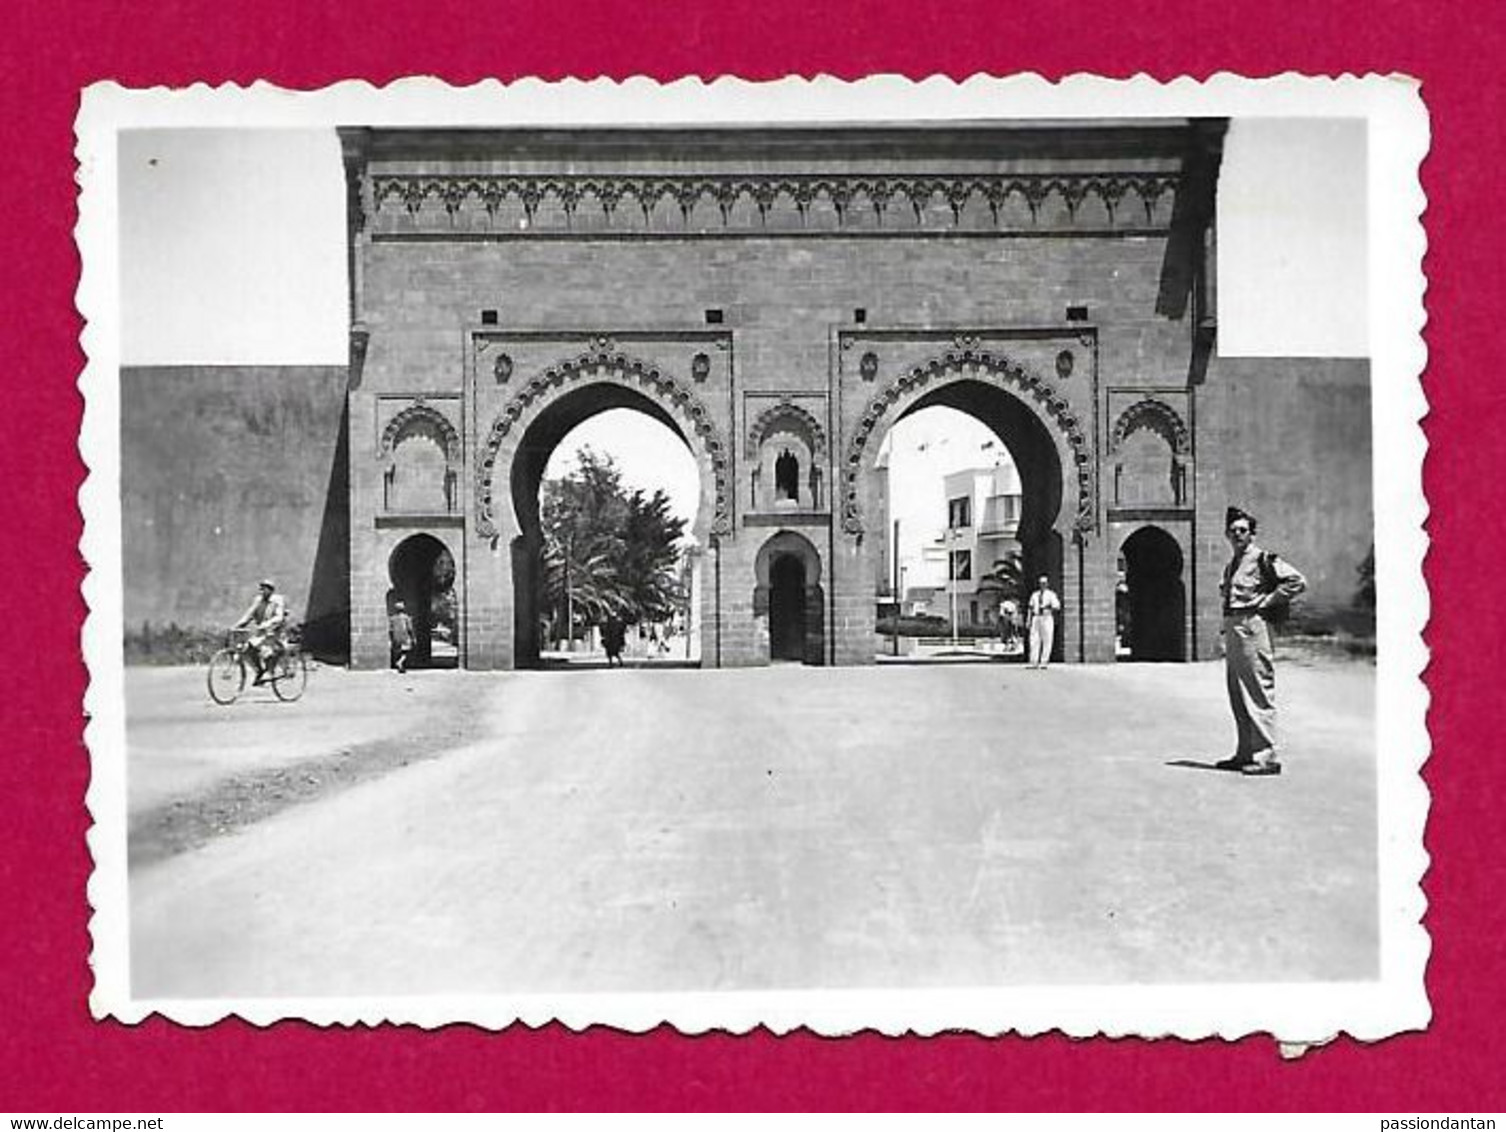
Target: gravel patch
(252,796)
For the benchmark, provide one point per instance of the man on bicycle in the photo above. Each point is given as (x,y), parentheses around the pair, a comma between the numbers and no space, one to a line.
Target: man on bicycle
(265,619)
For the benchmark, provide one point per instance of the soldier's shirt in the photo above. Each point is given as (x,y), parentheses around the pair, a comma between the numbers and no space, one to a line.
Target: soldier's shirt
(1244,586)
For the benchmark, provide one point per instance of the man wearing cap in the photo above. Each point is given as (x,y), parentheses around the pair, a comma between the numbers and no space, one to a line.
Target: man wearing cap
(1256,582)
(266,618)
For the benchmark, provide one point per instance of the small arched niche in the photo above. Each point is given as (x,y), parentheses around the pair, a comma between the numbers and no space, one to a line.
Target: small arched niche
(1150,453)
(787,448)
(421,449)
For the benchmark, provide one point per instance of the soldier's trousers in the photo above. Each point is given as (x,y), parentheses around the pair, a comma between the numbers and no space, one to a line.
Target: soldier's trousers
(1250,671)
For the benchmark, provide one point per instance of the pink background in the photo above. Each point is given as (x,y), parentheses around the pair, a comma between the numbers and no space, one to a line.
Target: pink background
(53,1058)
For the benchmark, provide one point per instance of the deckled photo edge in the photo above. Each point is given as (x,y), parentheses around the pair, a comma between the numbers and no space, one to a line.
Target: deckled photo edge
(1398,356)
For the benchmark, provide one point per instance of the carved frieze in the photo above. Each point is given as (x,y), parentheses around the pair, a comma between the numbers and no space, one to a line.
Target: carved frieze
(1128,199)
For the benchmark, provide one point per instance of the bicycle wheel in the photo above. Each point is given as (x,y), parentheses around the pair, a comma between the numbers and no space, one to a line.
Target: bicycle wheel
(291,677)
(227,676)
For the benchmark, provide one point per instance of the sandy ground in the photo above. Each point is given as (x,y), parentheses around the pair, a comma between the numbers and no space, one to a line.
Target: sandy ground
(784,827)
(182,743)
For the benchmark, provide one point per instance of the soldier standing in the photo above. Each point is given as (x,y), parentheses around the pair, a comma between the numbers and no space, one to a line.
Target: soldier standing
(1256,584)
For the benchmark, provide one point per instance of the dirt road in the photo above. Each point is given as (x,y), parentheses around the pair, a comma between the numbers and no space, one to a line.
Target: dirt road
(784,827)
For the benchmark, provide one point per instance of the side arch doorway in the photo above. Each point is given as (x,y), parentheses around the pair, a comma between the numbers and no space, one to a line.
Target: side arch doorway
(422,572)
(787,612)
(790,598)
(1155,612)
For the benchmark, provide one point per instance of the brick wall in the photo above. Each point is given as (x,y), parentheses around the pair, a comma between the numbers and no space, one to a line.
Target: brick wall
(780,296)
(781,299)
(229,474)
(1288,439)
(998,233)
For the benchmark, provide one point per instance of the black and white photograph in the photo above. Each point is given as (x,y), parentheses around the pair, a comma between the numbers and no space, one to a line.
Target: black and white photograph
(866,555)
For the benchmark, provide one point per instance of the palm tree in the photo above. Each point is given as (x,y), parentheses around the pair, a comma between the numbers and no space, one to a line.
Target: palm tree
(1005,580)
(609,553)
(650,556)
(581,584)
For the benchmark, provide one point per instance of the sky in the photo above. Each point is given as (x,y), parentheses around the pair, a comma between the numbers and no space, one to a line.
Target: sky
(1292,235)
(232,248)
(921,450)
(648,454)
(232,251)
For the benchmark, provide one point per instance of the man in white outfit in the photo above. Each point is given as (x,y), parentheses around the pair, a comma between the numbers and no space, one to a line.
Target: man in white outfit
(1042,610)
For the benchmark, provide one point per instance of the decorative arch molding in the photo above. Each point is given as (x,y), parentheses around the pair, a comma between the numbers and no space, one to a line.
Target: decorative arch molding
(1150,530)
(1157,416)
(626,370)
(967,363)
(796,419)
(787,542)
(421,413)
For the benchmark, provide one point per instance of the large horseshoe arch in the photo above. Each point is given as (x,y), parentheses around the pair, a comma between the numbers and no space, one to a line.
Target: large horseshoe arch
(510,466)
(1045,437)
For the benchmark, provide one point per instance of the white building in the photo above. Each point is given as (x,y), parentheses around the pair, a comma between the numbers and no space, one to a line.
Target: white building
(982,519)
(931,461)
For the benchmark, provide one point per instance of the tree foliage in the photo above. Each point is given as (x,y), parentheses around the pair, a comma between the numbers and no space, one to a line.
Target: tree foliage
(1364,594)
(609,552)
(650,556)
(1005,580)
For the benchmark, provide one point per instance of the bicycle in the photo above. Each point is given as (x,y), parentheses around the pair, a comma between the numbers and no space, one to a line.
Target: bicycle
(230,666)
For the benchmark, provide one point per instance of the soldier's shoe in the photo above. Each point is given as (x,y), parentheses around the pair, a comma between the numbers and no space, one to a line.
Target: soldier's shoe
(1233,763)
(1271,766)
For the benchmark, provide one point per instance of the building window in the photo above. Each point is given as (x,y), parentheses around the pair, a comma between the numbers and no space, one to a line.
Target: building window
(787,476)
(959,512)
(962,565)
(1001,513)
